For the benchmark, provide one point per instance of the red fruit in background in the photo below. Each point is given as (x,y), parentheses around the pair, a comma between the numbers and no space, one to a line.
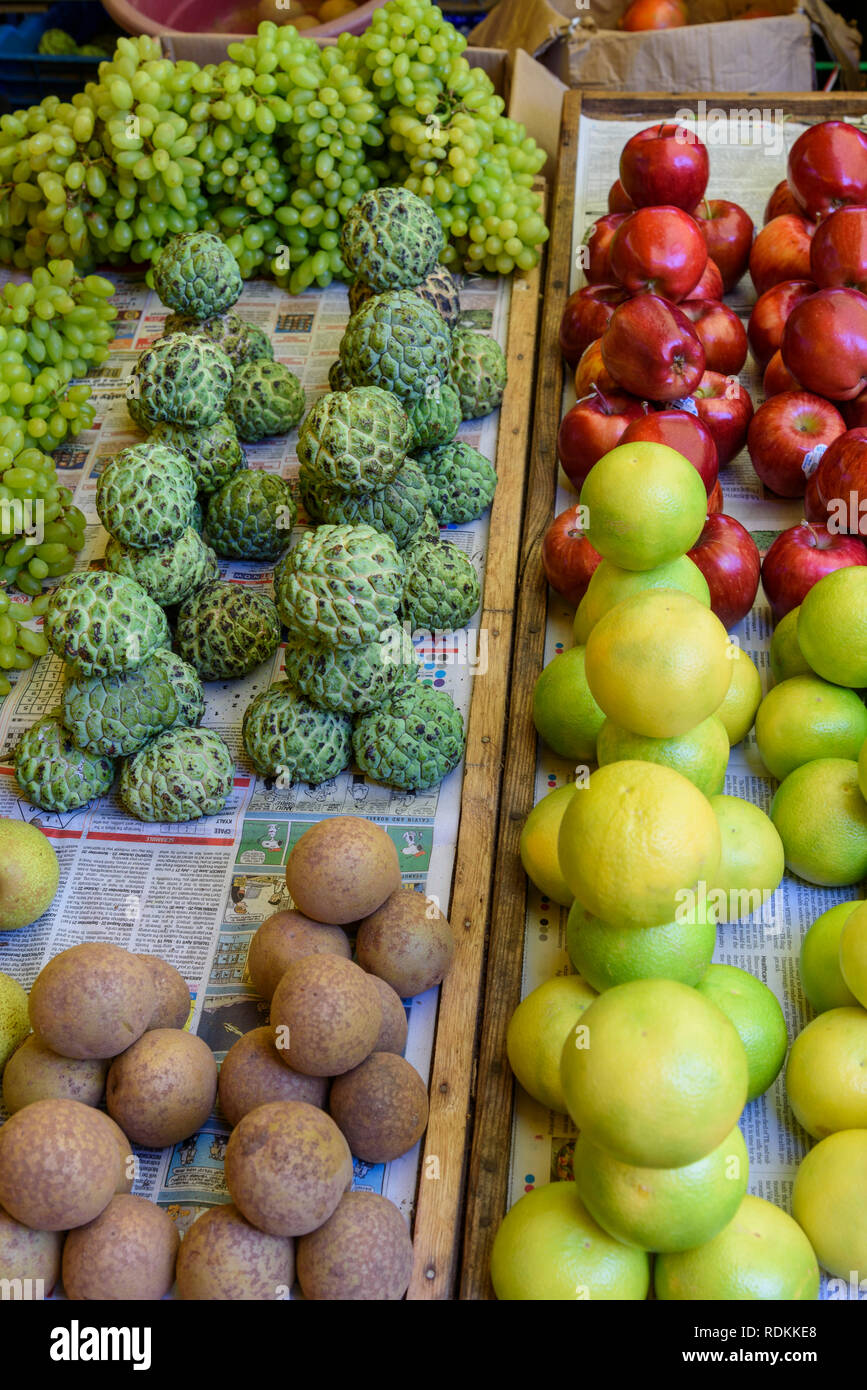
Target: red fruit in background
(729,559)
(592,371)
(715,501)
(782,437)
(598,242)
(591,428)
(799,558)
(568,558)
(769,314)
(728,236)
(825,343)
(838,254)
(778,378)
(659,249)
(654,14)
(585,316)
(781,251)
(710,285)
(683,432)
(828,167)
(664,164)
(781,201)
(726,408)
(854,412)
(721,333)
(838,487)
(652,349)
(618,199)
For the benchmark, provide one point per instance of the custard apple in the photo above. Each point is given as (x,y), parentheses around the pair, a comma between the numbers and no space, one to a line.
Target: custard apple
(145,496)
(434,419)
(241,342)
(189,691)
(225,630)
(478,372)
(355,440)
(251,517)
(413,741)
(391,239)
(138,414)
(181,774)
(103,623)
(442,590)
(396,509)
(265,400)
(353,679)
(429,529)
(213,453)
(184,379)
(338,380)
(56,775)
(440,288)
(287,737)
(339,586)
(398,342)
(117,715)
(196,273)
(462,481)
(197,520)
(170,573)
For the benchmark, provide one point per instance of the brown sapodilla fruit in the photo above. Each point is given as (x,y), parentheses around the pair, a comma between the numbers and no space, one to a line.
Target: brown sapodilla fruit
(34,1072)
(342,869)
(223,1257)
(381,1107)
(253,1074)
(394,1029)
(407,942)
(327,1015)
(127,1253)
(287,1166)
(92,1000)
(29,1254)
(173,997)
(285,937)
(58,1165)
(163,1088)
(363,1251)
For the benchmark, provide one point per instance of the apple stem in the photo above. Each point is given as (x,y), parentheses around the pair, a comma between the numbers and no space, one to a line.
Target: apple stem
(602,398)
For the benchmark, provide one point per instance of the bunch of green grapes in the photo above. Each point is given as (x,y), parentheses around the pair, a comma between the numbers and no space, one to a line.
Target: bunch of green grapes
(406,52)
(20,645)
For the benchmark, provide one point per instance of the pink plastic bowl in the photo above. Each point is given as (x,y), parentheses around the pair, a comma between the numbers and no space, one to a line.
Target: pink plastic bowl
(215,17)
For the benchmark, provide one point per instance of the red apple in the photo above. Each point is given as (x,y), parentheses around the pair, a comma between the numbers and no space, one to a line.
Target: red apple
(591,428)
(652,349)
(659,249)
(592,371)
(782,200)
(729,559)
(837,490)
(618,199)
(799,558)
(854,412)
(728,235)
(838,255)
(726,408)
(721,333)
(715,501)
(665,164)
(710,285)
(585,316)
(568,558)
(654,14)
(681,431)
(781,251)
(783,436)
(598,243)
(769,314)
(825,343)
(828,167)
(778,378)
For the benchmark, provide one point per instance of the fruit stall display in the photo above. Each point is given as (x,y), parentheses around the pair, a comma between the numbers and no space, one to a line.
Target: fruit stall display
(684,847)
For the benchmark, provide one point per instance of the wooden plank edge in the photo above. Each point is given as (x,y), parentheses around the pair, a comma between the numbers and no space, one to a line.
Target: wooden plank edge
(821,106)
(442,1170)
(489,1156)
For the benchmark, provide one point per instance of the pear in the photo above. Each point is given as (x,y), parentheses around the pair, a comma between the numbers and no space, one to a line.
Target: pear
(29,874)
(14,1020)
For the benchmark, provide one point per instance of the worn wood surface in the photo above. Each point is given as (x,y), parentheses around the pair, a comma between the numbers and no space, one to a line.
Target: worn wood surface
(804,106)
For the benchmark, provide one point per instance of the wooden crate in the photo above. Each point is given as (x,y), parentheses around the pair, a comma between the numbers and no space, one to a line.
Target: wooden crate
(491,1143)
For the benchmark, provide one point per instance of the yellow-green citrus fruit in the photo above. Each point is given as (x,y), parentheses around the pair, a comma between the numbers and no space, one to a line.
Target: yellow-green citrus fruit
(821,817)
(826,1078)
(805,718)
(756,1014)
(832,627)
(609,584)
(821,975)
(537,1031)
(853,954)
(566,715)
(743,697)
(862,769)
(14,1018)
(701,754)
(646,504)
(828,1203)
(752,861)
(762,1254)
(538,845)
(785,656)
(608,956)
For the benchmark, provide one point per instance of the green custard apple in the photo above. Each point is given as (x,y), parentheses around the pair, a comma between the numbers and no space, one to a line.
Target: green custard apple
(195,273)
(214,453)
(434,419)
(251,516)
(117,715)
(288,737)
(355,440)
(413,741)
(226,630)
(185,379)
(461,480)
(181,775)
(397,510)
(139,415)
(353,680)
(103,623)
(339,586)
(391,239)
(399,342)
(169,574)
(440,288)
(54,773)
(338,379)
(266,400)
(478,372)
(241,342)
(145,496)
(442,590)
(188,688)
(429,529)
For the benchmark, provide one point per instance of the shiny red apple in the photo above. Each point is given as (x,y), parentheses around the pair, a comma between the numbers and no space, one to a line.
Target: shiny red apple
(715,501)
(721,333)
(681,431)
(664,164)
(778,378)
(568,558)
(710,285)
(799,558)
(618,199)
(585,316)
(728,235)
(652,349)
(783,438)
(825,343)
(598,248)
(591,428)
(854,412)
(592,371)
(828,167)
(729,559)
(781,251)
(782,200)
(769,314)
(838,254)
(659,249)
(837,490)
(725,406)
